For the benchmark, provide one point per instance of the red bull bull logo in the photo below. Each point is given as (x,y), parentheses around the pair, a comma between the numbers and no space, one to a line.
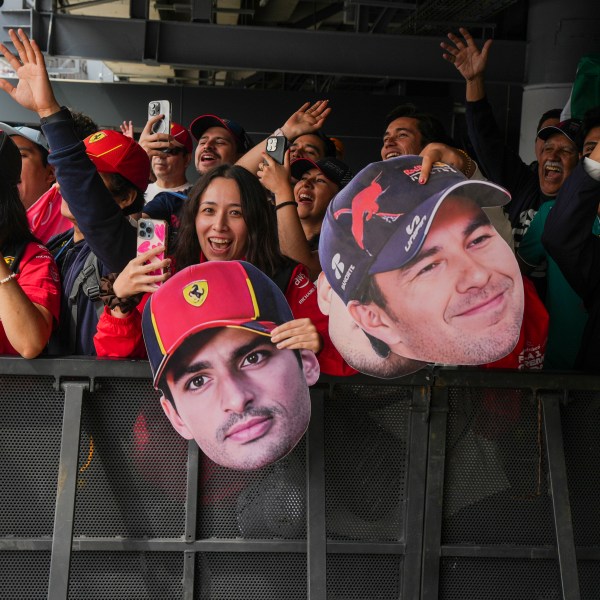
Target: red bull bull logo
(365,206)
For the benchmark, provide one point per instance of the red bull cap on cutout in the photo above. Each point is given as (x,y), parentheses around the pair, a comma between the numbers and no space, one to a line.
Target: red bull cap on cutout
(380,220)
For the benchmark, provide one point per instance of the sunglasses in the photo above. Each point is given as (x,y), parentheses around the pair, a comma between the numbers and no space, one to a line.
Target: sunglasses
(173,151)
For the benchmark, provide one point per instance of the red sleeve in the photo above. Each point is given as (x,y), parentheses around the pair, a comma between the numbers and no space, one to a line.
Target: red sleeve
(530,350)
(301,295)
(121,338)
(39,279)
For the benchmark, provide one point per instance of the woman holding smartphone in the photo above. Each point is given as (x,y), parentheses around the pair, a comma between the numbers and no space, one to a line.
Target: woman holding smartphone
(227,217)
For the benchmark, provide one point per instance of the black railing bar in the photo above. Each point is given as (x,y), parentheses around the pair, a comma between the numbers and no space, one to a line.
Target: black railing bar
(64,514)
(25,544)
(191,516)
(343,547)
(434,494)
(85,544)
(500,551)
(499,378)
(559,487)
(316,532)
(418,428)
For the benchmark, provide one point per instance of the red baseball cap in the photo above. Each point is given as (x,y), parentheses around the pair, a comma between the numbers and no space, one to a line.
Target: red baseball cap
(112,152)
(182,135)
(213,294)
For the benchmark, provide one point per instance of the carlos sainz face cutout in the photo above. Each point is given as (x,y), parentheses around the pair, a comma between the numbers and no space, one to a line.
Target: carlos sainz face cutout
(224,383)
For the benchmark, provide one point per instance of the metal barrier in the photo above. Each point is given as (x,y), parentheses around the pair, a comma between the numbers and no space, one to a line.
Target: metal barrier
(450,484)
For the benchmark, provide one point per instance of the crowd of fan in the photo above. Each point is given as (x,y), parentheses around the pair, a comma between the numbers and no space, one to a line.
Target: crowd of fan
(72,282)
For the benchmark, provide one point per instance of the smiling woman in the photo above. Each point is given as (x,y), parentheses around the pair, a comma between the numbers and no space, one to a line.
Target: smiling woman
(220,225)
(226,217)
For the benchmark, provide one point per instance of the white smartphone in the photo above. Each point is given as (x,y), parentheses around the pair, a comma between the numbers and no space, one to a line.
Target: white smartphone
(160,107)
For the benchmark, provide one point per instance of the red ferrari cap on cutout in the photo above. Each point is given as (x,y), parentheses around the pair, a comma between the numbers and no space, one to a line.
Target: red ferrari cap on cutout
(212,294)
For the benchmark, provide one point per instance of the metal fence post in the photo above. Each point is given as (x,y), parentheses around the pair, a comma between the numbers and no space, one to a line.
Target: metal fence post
(419,427)
(60,562)
(191,518)
(434,494)
(316,527)
(559,487)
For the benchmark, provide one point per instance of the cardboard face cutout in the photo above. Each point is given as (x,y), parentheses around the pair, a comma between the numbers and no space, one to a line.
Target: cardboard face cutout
(208,335)
(419,270)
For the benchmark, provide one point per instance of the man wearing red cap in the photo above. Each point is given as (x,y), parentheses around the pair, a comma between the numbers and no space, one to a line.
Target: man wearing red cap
(169,156)
(225,384)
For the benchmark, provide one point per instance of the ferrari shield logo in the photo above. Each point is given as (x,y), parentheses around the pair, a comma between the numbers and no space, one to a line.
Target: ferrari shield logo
(96,137)
(195,293)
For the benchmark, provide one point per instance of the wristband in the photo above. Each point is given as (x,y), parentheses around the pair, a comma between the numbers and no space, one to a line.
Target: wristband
(7,278)
(108,297)
(469,170)
(279,131)
(61,115)
(288,203)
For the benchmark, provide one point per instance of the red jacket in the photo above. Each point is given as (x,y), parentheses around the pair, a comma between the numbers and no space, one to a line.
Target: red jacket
(529,352)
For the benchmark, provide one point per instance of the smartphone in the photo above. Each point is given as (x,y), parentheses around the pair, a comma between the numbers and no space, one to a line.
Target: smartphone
(152,233)
(276,147)
(160,107)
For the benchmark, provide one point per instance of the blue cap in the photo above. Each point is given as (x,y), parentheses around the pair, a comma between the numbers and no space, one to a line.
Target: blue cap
(203,122)
(33,135)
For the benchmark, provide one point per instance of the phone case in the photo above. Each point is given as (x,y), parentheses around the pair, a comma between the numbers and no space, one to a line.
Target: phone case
(160,107)
(152,233)
(276,147)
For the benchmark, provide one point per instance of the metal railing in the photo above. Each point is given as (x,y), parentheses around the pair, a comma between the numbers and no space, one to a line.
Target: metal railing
(449,483)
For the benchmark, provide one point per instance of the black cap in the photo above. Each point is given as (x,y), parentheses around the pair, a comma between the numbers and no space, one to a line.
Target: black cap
(569,128)
(10,160)
(334,169)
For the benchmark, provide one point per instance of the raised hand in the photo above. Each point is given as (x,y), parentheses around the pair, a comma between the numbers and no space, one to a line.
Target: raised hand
(437,152)
(276,177)
(156,143)
(33,90)
(464,54)
(307,119)
(126,128)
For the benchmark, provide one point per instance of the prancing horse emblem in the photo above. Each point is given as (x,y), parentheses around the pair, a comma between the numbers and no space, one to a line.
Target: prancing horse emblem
(195,293)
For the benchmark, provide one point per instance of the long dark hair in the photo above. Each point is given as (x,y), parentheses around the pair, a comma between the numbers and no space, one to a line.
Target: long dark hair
(14,227)
(259,215)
